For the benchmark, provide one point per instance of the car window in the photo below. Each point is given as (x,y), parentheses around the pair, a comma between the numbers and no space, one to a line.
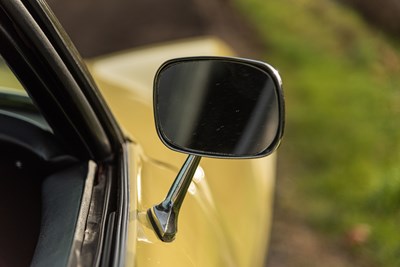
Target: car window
(7,78)
(14,99)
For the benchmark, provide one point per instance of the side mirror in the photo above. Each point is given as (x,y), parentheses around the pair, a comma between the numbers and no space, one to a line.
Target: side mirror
(213,107)
(219,107)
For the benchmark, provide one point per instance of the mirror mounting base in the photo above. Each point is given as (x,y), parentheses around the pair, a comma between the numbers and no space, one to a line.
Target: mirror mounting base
(164,216)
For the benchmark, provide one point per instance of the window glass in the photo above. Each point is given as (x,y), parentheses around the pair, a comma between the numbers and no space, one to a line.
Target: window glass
(14,99)
(7,78)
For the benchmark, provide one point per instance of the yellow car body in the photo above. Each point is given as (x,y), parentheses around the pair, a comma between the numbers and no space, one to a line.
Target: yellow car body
(225,219)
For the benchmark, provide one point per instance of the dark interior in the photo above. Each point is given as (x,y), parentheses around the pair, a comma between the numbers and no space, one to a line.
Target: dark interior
(40,193)
(20,205)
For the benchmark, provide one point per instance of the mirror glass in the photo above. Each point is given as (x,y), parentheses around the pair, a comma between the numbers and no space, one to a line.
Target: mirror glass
(218,107)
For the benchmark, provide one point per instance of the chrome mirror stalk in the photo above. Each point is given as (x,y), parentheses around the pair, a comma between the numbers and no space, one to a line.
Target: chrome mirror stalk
(164,216)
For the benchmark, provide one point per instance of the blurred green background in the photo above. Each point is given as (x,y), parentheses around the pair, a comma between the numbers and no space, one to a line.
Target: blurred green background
(339,161)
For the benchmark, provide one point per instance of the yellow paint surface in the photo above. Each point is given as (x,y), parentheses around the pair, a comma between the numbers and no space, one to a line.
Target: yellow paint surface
(226,216)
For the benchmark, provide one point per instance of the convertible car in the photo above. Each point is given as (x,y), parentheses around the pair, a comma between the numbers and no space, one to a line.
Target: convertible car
(93,166)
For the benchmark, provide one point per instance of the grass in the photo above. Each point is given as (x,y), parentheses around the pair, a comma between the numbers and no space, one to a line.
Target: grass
(342,141)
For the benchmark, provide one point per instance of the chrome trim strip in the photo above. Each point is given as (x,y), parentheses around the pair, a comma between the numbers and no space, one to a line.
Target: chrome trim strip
(123,209)
(79,235)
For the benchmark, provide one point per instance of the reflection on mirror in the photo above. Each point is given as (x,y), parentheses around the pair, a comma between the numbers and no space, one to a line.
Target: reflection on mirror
(219,107)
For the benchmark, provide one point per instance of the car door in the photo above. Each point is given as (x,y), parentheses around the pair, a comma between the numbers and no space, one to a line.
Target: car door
(83,184)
